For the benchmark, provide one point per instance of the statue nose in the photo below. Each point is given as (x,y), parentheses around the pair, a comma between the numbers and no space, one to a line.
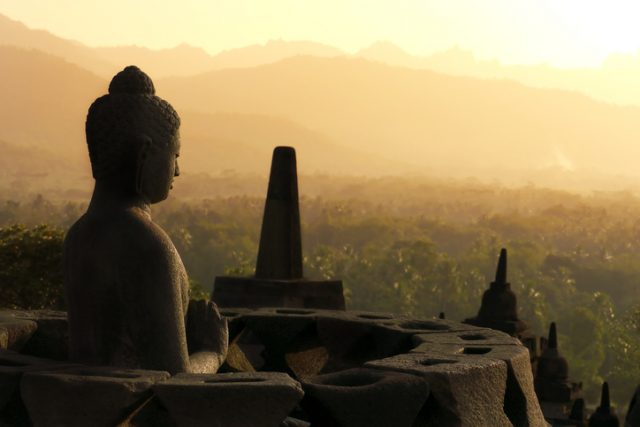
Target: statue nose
(177,170)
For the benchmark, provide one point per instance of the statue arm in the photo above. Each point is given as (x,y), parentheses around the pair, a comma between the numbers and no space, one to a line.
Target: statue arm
(152,300)
(207,337)
(171,339)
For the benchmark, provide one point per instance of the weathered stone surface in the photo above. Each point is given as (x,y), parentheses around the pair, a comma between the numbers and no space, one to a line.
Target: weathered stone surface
(280,250)
(364,397)
(15,332)
(50,340)
(476,337)
(465,391)
(307,360)
(307,342)
(12,367)
(352,340)
(236,361)
(152,413)
(86,396)
(294,422)
(371,316)
(278,328)
(260,399)
(520,404)
(254,292)
(235,321)
(286,332)
(431,326)
(4,339)
(279,279)
(520,401)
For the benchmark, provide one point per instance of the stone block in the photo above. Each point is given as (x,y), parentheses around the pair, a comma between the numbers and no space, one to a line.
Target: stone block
(14,331)
(50,339)
(352,340)
(254,292)
(486,337)
(431,326)
(259,399)
(277,328)
(511,327)
(465,392)
(294,422)
(151,413)
(12,367)
(285,332)
(364,398)
(86,396)
(520,402)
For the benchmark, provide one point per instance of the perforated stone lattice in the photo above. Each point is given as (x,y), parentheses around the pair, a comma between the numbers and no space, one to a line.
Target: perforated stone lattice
(422,372)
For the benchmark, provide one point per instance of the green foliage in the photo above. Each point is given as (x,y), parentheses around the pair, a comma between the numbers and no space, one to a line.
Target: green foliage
(432,247)
(31,267)
(196,291)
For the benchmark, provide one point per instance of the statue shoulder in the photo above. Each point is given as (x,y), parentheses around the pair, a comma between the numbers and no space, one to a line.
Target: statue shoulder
(127,232)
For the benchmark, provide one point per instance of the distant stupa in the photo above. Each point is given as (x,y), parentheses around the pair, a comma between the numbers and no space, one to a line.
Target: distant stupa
(279,281)
(499,307)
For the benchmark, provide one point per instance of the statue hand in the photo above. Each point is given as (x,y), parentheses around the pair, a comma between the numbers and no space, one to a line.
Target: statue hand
(206,329)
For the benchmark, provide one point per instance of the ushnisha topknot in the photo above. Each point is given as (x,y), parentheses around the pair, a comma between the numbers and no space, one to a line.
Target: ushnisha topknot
(132,80)
(116,120)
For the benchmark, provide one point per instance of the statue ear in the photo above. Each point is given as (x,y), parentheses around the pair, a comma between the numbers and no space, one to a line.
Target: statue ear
(144,144)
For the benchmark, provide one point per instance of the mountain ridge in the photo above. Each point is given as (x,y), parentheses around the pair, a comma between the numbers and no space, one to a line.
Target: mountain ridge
(612,82)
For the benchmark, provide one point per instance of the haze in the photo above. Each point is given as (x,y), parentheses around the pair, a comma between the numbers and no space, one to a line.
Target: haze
(566,33)
(538,91)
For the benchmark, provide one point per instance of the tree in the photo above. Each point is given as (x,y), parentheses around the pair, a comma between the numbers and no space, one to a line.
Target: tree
(31,267)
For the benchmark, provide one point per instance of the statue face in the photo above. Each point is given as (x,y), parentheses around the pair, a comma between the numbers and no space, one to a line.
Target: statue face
(158,167)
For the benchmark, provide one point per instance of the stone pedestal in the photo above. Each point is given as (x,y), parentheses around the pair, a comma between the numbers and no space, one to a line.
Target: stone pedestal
(279,279)
(257,399)
(86,396)
(253,292)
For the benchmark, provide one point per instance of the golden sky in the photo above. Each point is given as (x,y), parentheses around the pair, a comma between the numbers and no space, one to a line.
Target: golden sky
(566,33)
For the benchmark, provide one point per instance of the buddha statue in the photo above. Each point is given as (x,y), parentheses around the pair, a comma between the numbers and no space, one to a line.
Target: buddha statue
(127,289)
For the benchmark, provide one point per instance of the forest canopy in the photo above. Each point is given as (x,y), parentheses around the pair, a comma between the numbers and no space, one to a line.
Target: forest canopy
(430,247)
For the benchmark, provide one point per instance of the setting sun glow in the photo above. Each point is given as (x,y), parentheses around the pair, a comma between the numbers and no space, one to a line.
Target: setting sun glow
(567,33)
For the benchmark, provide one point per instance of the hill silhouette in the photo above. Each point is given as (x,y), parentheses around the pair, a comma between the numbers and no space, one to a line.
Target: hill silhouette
(353,115)
(44,100)
(15,33)
(613,81)
(437,122)
(181,60)
(47,99)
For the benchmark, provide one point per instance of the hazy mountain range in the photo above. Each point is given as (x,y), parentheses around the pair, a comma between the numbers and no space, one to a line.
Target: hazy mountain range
(613,81)
(380,111)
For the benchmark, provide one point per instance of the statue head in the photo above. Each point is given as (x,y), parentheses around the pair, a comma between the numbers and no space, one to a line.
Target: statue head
(133,137)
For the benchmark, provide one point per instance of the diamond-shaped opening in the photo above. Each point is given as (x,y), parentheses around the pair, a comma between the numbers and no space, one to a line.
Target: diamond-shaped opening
(424,325)
(293,311)
(226,313)
(473,337)
(433,362)
(234,380)
(476,350)
(352,379)
(106,374)
(374,317)
(7,362)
